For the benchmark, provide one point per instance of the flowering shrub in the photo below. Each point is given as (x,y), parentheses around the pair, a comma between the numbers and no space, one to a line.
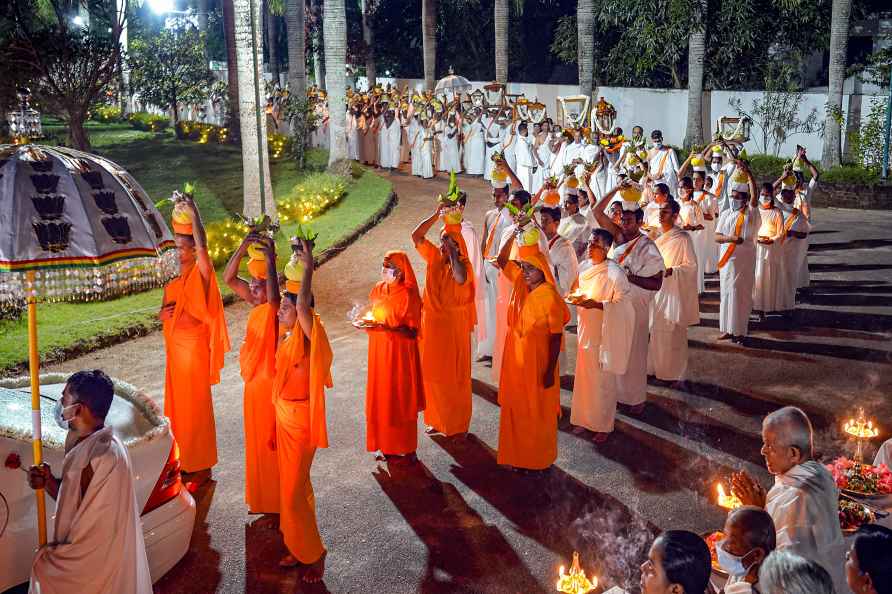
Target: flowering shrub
(224,238)
(106,114)
(149,122)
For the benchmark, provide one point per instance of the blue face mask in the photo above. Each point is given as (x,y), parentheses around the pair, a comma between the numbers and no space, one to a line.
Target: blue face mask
(59,415)
(730,563)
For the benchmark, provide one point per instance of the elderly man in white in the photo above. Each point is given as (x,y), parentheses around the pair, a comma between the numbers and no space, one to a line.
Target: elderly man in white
(804,499)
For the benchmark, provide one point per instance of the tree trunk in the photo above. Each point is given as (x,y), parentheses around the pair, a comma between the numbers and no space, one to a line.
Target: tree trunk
(368,38)
(839,41)
(429,42)
(500,17)
(585,45)
(696,49)
(272,48)
(76,131)
(202,14)
(258,194)
(234,122)
(318,41)
(335,24)
(296,24)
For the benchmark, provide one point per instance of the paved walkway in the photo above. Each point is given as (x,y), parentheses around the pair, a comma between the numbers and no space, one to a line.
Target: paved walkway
(457,522)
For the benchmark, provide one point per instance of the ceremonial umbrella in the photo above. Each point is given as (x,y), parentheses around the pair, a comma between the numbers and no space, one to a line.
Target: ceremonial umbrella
(73,227)
(453,83)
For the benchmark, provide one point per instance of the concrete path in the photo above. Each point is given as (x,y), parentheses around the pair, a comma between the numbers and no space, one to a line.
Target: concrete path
(456,522)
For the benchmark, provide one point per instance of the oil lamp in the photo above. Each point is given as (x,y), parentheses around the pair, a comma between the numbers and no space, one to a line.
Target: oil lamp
(860,428)
(728,501)
(575,581)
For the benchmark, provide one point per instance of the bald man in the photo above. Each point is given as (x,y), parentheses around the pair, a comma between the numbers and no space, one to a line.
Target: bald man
(749,539)
(804,499)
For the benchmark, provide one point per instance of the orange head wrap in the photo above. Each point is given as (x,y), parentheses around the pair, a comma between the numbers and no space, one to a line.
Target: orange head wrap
(257,269)
(401,260)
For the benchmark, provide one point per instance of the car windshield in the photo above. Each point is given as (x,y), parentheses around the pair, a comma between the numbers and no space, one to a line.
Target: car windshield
(129,422)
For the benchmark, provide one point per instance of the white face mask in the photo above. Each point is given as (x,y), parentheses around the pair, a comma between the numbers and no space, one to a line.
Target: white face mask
(766,199)
(716,167)
(737,203)
(730,563)
(59,415)
(388,275)
(658,144)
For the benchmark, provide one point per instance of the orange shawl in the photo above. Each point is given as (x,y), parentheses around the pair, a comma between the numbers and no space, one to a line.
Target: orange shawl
(403,299)
(290,352)
(188,291)
(531,254)
(258,355)
(738,227)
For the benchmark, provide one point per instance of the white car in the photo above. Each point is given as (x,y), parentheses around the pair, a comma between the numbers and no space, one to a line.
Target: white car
(168,510)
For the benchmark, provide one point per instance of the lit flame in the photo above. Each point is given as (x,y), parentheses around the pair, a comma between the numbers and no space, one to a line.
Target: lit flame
(575,582)
(862,428)
(727,501)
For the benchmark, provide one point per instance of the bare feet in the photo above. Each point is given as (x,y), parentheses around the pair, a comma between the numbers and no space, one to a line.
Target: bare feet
(724,336)
(483,358)
(316,570)
(288,561)
(600,437)
(431,430)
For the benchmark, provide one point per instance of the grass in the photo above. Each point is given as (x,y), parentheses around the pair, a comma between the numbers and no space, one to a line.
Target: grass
(162,164)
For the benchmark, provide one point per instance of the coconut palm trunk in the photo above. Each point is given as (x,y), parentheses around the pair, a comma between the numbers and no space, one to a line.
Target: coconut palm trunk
(272,46)
(368,38)
(232,117)
(696,49)
(839,41)
(429,42)
(500,18)
(318,41)
(296,23)
(335,34)
(258,192)
(585,31)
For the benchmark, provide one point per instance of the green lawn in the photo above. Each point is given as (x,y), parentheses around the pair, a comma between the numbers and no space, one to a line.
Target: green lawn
(162,164)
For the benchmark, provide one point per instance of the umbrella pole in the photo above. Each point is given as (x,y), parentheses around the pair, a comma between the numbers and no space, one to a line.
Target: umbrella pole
(34,366)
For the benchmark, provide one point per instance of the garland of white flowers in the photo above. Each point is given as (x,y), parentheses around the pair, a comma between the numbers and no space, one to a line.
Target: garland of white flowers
(139,399)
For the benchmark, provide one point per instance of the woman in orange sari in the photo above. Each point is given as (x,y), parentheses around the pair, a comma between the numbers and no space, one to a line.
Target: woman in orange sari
(195,341)
(447,320)
(394,390)
(258,366)
(303,371)
(529,390)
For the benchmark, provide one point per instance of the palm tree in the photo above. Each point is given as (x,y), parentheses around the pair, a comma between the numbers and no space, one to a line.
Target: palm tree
(585,32)
(296,23)
(271,45)
(318,61)
(696,49)
(500,17)
(258,193)
(839,41)
(368,38)
(429,41)
(335,35)
(234,122)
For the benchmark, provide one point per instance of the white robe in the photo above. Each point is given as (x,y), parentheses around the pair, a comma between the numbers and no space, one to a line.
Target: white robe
(692,215)
(415,138)
(526,161)
(451,149)
(564,267)
(709,205)
(604,344)
(664,167)
(794,253)
(426,152)
(98,544)
(675,307)
(643,259)
(884,454)
(352,137)
(472,241)
(389,144)
(771,280)
(494,224)
(803,203)
(493,137)
(737,276)
(804,506)
(475,150)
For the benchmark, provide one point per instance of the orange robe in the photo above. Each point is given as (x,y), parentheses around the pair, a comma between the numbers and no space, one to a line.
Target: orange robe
(258,364)
(394,390)
(447,320)
(303,371)
(529,412)
(195,341)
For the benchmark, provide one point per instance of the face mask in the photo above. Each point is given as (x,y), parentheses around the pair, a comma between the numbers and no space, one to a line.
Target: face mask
(388,275)
(59,415)
(658,144)
(737,204)
(766,199)
(716,167)
(730,563)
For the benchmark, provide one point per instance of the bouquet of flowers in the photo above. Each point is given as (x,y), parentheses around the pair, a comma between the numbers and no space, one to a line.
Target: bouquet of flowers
(861,478)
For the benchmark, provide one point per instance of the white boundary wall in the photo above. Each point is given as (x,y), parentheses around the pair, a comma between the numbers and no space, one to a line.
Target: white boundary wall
(665,109)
